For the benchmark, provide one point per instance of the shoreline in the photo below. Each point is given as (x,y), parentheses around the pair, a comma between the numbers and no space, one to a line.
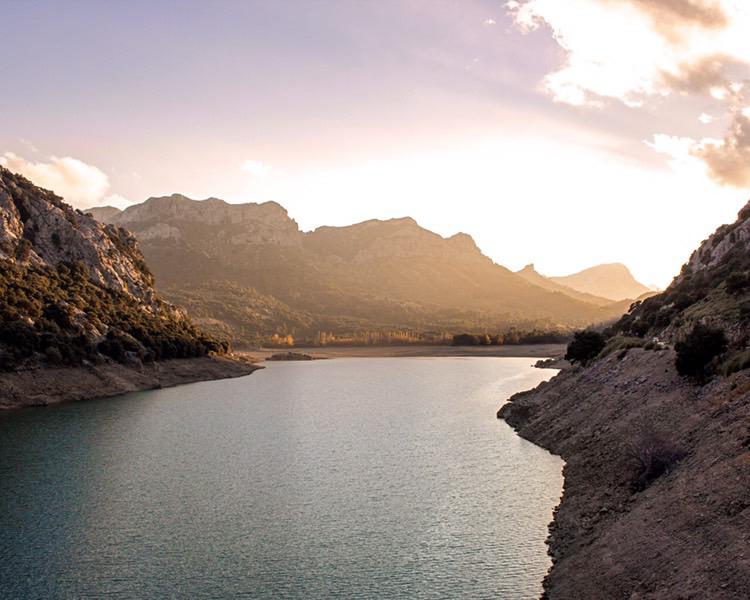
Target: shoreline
(49,386)
(684,533)
(537,351)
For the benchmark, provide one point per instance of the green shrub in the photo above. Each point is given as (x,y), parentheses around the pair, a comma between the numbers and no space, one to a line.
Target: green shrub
(699,348)
(37,305)
(586,346)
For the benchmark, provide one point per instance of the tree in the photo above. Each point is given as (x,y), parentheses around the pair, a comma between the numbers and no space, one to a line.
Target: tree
(585,346)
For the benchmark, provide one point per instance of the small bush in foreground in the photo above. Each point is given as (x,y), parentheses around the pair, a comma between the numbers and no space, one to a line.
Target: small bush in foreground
(698,349)
(586,345)
(653,456)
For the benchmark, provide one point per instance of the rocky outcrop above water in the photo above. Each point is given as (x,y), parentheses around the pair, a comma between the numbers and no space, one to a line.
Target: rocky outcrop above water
(38,229)
(75,293)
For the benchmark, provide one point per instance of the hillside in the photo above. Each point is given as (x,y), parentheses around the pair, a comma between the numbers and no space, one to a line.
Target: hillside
(657,464)
(374,276)
(75,292)
(613,282)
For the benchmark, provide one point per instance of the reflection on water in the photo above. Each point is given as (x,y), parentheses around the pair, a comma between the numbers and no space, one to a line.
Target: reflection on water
(366,478)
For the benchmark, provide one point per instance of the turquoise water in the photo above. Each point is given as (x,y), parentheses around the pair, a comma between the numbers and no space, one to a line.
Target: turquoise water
(348,478)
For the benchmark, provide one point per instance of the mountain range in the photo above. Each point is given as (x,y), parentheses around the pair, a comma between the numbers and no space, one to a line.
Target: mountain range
(248,271)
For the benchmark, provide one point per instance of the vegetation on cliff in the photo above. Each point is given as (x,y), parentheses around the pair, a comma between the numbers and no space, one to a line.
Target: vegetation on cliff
(74,290)
(704,313)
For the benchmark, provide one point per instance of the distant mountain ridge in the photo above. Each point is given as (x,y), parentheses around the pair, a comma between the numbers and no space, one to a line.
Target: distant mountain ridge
(612,281)
(373,275)
(530,274)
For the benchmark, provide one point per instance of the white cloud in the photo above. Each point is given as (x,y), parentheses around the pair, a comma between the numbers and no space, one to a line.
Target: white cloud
(256,168)
(631,49)
(79,184)
(726,161)
(490,21)
(637,51)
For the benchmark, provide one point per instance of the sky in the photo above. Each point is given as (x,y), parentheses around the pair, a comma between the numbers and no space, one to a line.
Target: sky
(565,134)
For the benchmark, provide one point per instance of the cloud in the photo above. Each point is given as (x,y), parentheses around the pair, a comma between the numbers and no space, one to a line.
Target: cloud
(669,15)
(489,21)
(705,118)
(641,51)
(633,49)
(80,184)
(728,160)
(256,168)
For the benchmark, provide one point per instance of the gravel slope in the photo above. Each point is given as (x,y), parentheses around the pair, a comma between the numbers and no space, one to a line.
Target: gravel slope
(687,534)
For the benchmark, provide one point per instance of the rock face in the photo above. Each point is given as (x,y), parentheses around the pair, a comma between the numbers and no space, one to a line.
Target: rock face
(177,217)
(723,245)
(713,289)
(374,276)
(613,281)
(658,467)
(37,228)
(76,292)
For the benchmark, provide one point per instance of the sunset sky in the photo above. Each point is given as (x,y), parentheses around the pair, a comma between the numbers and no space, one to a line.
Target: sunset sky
(560,133)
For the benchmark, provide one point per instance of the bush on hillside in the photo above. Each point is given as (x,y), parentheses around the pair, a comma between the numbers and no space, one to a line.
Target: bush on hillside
(653,456)
(737,283)
(586,346)
(696,352)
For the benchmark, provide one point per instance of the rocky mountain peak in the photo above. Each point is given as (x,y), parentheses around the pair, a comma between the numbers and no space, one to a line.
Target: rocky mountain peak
(725,240)
(37,228)
(180,218)
(463,242)
(613,281)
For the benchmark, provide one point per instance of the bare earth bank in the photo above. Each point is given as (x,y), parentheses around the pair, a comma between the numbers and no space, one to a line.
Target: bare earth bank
(687,534)
(41,387)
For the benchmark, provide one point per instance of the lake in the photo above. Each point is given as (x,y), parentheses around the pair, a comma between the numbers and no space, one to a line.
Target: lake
(346,478)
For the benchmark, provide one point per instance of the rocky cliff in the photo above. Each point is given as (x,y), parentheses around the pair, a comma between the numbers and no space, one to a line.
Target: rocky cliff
(77,293)
(38,229)
(657,469)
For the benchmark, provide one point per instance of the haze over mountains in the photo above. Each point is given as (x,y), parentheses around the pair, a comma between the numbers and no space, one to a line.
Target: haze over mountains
(612,281)
(247,270)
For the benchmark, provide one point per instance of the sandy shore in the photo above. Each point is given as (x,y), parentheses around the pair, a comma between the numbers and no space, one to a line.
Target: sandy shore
(530,351)
(42,387)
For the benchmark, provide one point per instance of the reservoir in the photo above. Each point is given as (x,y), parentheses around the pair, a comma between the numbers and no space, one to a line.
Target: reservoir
(345,478)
